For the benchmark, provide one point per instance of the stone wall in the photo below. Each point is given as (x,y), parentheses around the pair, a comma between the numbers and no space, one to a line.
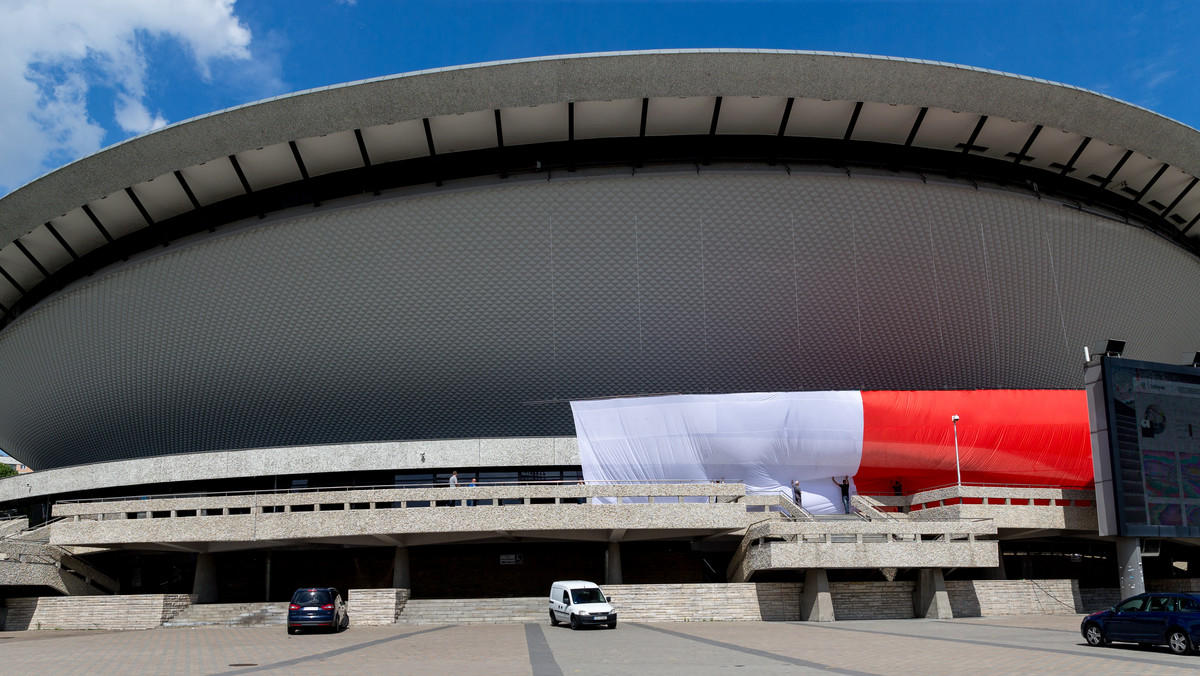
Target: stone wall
(376,606)
(983,598)
(1182,585)
(1099,598)
(732,602)
(872,600)
(142,611)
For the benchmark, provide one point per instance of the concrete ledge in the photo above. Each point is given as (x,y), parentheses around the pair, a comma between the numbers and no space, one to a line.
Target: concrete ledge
(372,497)
(732,602)
(144,611)
(399,455)
(349,516)
(441,524)
(376,606)
(879,543)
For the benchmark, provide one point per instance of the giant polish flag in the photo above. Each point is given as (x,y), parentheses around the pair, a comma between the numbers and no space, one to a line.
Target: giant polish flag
(767,440)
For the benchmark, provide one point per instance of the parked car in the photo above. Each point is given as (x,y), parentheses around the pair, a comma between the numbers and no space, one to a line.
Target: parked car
(580,603)
(1148,619)
(321,607)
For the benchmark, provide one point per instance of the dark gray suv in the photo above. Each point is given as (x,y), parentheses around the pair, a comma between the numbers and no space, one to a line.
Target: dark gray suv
(319,607)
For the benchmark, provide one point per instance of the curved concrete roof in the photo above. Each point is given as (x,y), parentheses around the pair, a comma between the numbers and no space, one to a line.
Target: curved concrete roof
(425,312)
(598,77)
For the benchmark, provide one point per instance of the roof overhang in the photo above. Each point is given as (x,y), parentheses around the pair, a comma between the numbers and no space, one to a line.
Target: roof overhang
(559,112)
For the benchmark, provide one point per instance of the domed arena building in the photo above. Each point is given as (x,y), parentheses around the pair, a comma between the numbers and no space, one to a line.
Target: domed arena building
(229,347)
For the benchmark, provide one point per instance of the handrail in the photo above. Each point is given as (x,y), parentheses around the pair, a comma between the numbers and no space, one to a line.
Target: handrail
(875,512)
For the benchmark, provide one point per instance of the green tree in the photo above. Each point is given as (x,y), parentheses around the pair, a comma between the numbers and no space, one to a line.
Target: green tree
(7,470)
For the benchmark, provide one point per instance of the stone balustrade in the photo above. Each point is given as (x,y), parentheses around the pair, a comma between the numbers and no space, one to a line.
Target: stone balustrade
(1009,507)
(876,543)
(388,497)
(349,515)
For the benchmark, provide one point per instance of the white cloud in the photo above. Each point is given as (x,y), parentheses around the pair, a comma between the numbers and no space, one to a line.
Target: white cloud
(53,52)
(134,117)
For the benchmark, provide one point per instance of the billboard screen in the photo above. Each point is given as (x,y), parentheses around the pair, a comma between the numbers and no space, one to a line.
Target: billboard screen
(1146,446)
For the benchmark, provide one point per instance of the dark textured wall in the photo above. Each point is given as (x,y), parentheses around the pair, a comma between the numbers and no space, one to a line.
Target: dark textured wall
(480,312)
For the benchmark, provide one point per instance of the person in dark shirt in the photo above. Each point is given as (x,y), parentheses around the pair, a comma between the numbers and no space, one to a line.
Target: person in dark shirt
(797,496)
(845,486)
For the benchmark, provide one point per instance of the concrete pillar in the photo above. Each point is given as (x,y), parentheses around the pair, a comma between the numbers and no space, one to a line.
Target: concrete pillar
(401,572)
(816,603)
(930,599)
(205,584)
(612,564)
(1129,566)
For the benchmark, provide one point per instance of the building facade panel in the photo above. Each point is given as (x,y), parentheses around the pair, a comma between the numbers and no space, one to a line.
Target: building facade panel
(478,312)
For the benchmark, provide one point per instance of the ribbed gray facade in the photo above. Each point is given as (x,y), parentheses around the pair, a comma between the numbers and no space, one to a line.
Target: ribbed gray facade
(480,311)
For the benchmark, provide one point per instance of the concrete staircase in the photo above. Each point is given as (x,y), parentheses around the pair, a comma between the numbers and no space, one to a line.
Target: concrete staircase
(28,559)
(231,615)
(473,611)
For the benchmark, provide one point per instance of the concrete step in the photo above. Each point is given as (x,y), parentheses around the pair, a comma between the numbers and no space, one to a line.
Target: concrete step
(231,615)
(473,611)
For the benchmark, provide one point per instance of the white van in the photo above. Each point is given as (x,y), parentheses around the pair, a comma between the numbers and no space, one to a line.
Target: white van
(580,603)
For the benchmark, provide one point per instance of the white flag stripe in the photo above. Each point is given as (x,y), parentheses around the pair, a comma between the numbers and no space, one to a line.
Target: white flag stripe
(766,440)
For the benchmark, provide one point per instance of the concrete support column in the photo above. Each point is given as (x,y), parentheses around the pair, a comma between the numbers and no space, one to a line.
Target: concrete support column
(267,579)
(930,599)
(816,603)
(1129,566)
(205,584)
(401,572)
(612,564)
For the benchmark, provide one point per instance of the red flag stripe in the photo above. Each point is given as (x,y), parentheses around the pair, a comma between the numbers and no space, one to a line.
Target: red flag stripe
(1005,437)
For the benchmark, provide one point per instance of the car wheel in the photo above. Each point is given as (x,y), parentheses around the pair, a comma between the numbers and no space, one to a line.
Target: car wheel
(553,619)
(612,625)
(1178,642)
(1095,636)
(574,621)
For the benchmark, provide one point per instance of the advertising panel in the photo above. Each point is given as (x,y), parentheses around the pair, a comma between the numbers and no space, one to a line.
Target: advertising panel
(1146,446)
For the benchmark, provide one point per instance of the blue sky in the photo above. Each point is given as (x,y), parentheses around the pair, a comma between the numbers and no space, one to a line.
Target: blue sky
(80,75)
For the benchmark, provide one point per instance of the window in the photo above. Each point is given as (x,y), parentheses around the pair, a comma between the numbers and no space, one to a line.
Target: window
(1132,605)
(590,595)
(311,597)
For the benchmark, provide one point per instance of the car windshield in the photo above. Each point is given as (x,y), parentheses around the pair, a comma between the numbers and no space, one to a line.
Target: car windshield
(311,597)
(587,596)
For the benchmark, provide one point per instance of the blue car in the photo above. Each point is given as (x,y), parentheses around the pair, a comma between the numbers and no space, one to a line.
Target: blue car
(1148,619)
(318,608)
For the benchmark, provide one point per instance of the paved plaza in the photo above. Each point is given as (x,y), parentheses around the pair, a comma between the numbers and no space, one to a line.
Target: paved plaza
(978,646)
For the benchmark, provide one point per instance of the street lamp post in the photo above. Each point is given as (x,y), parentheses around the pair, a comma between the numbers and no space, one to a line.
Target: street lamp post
(957,466)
